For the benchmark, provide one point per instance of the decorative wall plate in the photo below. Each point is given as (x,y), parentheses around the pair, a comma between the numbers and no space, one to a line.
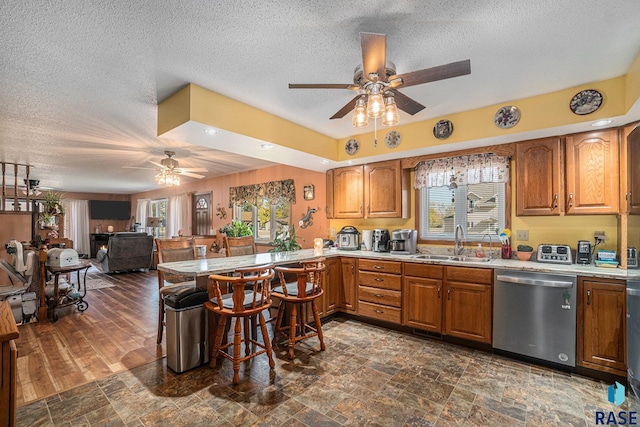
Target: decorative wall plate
(443,129)
(392,139)
(352,146)
(586,102)
(507,117)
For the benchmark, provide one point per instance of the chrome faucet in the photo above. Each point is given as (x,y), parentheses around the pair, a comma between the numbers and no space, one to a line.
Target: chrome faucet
(458,245)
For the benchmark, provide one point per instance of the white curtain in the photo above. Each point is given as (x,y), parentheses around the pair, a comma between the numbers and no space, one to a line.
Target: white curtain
(143,210)
(462,170)
(179,215)
(77,224)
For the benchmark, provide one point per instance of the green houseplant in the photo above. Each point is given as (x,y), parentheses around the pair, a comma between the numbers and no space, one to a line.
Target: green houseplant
(52,207)
(285,241)
(237,228)
(524,252)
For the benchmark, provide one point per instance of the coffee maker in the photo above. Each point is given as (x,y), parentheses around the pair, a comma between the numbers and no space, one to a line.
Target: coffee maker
(404,242)
(583,255)
(380,240)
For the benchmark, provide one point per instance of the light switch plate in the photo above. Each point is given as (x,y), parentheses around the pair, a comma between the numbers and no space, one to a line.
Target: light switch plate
(522,235)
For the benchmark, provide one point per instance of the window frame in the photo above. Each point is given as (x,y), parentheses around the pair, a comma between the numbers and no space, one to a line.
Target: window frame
(159,232)
(237,214)
(508,195)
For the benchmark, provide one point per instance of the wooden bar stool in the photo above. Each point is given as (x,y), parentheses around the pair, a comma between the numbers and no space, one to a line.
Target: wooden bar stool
(241,304)
(294,296)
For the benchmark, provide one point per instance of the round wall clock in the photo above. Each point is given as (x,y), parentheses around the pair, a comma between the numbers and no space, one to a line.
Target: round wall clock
(351,147)
(586,102)
(507,117)
(443,129)
(392,139)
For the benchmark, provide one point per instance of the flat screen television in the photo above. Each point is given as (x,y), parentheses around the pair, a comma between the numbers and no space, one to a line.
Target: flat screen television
(109,209)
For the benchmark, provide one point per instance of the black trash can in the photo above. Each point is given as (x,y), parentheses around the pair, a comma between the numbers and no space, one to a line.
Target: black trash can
(187,329)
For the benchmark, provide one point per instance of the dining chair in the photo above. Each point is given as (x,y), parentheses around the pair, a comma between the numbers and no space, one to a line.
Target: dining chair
(235,246)
(295,296)
(170,250)
(249,297)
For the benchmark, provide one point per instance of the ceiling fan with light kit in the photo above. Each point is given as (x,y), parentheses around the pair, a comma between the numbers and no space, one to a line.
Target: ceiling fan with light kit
(377,84)
(170,170)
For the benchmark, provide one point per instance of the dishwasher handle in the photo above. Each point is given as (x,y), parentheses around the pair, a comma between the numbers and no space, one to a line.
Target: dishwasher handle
(534,282)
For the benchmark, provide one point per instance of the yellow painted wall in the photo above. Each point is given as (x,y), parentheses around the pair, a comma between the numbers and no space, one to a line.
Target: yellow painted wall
(632,84)
(633,231)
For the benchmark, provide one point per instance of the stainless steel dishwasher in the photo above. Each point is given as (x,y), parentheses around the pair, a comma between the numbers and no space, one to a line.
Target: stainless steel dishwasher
(534,314)
(633,338)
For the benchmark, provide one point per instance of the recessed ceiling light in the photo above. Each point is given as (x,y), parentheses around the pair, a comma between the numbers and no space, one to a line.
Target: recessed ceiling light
(210,131)
(601,122)
(324,161)
(267,146)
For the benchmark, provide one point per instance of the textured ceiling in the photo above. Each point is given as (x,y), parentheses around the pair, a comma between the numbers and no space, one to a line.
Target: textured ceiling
(80,81)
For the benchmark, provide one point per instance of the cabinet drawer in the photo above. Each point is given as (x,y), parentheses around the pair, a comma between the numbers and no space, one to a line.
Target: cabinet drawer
(380,296)
(427,271)
(380,280)
(381,312)
(393,267)
(470,274)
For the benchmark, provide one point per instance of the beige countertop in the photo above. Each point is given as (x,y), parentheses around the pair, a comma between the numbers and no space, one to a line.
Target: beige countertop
(203,267)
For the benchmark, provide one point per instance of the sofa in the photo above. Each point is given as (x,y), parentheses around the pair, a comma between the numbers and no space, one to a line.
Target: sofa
(126,252)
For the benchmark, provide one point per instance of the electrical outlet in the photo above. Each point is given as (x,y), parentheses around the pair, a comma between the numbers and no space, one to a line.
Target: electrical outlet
(522,235)
(599,236)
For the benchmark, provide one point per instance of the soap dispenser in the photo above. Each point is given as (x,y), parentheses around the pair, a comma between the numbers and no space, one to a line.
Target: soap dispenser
(479,251)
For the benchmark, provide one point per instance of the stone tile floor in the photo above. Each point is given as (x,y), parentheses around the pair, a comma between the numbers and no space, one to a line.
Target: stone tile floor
(368,376)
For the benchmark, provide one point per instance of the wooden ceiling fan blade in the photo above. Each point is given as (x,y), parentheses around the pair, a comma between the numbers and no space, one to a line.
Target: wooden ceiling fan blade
(407,104)
(374,54)
(441,72)
(349,86)
(346,109)
(192,175)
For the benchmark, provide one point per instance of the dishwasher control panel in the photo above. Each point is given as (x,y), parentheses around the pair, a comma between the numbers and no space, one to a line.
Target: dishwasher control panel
(558,254)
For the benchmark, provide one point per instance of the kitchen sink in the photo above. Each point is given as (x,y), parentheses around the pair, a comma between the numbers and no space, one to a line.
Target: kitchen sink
(469,259)
(435,257)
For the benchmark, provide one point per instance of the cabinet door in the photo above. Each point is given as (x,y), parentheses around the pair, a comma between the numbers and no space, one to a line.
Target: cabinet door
(332,285)
(601,325)
(633,171)
(348,192)
(329,207)
(468,311)
(592,182)
(348,288)
(383,189)
(539,177)
(423,303)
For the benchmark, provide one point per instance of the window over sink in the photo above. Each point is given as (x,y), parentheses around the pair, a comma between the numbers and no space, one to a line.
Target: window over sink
(470,191)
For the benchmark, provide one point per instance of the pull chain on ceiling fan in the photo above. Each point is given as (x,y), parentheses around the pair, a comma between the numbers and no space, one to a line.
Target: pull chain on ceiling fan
(377,84)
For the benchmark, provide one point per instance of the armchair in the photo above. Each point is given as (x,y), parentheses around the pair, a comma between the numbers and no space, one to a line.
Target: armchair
(126,251)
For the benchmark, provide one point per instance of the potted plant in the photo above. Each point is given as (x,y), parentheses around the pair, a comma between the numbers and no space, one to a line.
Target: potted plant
(237,228)
(52,207)
(285,241)
(524,252)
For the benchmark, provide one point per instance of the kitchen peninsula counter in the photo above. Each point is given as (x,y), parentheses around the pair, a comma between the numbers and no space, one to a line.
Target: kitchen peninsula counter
(205,267)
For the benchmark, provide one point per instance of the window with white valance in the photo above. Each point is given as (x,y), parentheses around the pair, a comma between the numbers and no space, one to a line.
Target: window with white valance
(469,191)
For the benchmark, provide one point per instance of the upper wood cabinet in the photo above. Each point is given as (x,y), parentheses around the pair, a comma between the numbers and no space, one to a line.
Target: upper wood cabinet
(539,177)
(579,175)
(632,153)
(592,173)
(375,190)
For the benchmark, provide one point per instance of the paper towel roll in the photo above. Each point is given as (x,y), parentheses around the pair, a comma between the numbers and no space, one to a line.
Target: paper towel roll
(367,236)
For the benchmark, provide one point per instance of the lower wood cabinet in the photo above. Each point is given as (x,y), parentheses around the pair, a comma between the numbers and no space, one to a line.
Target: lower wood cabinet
(332,286)
(468,302)
(348,289)
(380,290)
(602,325)
(454,301)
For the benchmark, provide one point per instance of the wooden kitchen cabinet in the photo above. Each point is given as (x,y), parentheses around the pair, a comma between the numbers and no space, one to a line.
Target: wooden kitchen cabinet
(468,303)
(633,171)
(422,297)
(348,192)
(592,173)
(380,289)
(539,177)
(332,285)
(375,190)
(348,289)
(602,325)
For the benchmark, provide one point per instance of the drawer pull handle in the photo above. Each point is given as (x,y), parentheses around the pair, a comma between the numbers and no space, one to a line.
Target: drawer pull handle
(570,200)
(379,311)
(378,295)
(377,279)
(449,294)
(588,296)
(378,267)
(438,292)
(555,200)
